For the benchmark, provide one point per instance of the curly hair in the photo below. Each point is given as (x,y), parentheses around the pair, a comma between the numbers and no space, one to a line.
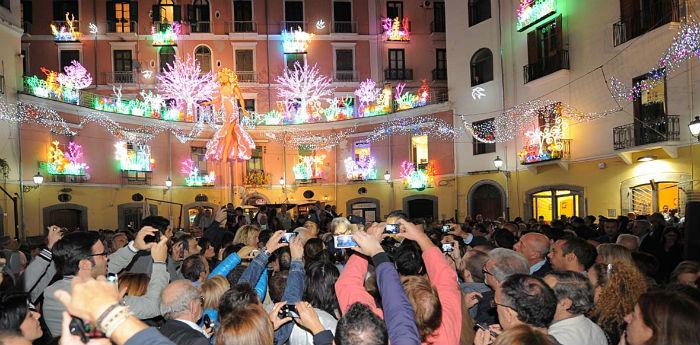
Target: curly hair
(620,285)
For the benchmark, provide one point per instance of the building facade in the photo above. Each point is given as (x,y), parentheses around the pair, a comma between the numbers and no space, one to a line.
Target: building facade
(535,80)
(128,155)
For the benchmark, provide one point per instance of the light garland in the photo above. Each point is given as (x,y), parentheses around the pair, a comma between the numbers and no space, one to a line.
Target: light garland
(364,168)
(184,82)
(66,32)
(167,36)
(137,158)
(192,176)
(296,41)
(396,29)
(420,177)
(686,45)
(66,163)
(76,76)
(309,168)
(21,112)
(421,125)
(531,12)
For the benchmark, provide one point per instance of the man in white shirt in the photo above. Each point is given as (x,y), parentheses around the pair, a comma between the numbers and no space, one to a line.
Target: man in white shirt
(574,295)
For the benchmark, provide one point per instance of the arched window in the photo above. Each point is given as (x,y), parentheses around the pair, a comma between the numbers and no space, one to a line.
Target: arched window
(203,56)
(482,66)
(479,10)
(198,15)
(166,55)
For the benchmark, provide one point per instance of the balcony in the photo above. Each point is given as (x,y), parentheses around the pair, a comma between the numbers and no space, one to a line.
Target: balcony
(291,25)
(437,27)
(128,77)
(165,26)
(439,74)
(398,74)
(122,26)
(345,76)
(551,64)
(243,26)
(340,27)
(664,128)
(657,14)
(247,76)
(200,27)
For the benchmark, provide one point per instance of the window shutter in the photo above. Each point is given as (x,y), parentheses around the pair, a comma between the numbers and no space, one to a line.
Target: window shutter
(560,33)
(532,51)
(111,9)
(133,14)
(155,13)
(190,14)
(177,13)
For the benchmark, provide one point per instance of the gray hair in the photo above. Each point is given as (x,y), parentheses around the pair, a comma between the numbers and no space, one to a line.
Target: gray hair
(507,262)
(176,297)
(339,225)
(576,287)
(626,238)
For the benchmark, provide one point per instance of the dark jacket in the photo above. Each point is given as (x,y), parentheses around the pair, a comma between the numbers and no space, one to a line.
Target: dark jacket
(544,270)
(148,336)
(182,334)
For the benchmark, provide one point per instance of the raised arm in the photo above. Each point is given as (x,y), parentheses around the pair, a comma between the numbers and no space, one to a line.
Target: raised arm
(120,259)
(226,266)
(294,290)
(148,305)
(350,286)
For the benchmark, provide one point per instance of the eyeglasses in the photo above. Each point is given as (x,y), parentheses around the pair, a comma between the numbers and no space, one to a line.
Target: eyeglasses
(485,272)
(99,254)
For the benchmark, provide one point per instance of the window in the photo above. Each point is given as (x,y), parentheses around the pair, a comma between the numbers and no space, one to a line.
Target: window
(166,56)
(203,57)
(166,12)
(5,4)
(481,66)
(342,17)
(438,17)
(255,163)
(27,15)
(123,66)
(245,65)
(25,61)
(479,10)
(249,105)
(344,65)
(68,56)
(198,16)
(651,123)
(293,15)
(291,59)
(545,51)
(243,16)
(479,147)
(60,8)
(362,149)
(394,9)
(440,72)
(664,193)
(640,16)
(197,154)
(397,66)
(553,203)
(419,150)
(122,16)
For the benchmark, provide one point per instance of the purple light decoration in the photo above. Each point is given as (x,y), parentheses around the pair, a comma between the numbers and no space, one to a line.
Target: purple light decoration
(184,82)
(367,92)
(76,76)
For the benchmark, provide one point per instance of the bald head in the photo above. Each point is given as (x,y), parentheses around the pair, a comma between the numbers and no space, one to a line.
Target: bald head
(176,301)
(534,246)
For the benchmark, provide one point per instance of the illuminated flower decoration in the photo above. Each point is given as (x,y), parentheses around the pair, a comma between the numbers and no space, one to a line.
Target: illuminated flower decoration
(420,178)
(364,168)
(368,92)
(66,32)
(309,167)
(75,77)
(296,41)
(184,82)
(68,162)
(136,159)
(192,176)
(167,36)
(302,86)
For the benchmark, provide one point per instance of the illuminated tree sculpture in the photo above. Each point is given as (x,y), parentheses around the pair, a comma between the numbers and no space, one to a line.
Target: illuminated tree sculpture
(367,93)
(184,82)
(76,76)
(302,86)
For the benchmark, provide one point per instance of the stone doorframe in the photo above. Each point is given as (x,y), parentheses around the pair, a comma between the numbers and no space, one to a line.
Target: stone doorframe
(46,212)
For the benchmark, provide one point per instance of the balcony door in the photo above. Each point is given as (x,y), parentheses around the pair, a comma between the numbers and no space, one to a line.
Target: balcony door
(123,66)
(650,120)
(397,64)
(243,16)
(342,17)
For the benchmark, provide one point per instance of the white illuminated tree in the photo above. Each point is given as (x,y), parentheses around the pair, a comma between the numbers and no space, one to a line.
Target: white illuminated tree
(303,86)
(184,82)
(76,76)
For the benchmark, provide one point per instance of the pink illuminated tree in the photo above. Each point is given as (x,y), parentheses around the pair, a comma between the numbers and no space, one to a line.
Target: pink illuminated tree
(184,82)
(367,92)
(303,86)
(76,76)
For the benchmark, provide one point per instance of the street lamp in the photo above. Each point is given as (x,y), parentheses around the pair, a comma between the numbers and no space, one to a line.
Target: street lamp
(387,176)
(694,127)
(282,181)
(168,182)
(498,162)
(38,178)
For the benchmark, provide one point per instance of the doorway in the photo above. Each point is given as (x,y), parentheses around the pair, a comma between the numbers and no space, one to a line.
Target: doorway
(487,199)
(367,208)
(421,206)
(552,202)
(70,216)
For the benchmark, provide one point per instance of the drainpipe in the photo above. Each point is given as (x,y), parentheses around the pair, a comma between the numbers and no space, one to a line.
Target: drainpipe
(267,56)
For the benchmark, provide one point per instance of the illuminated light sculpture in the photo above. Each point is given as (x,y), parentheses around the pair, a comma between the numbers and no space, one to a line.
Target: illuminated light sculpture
(230,142)
(296,41)
(93,28)
(68,162)
(136,159)
(51,88)
(309,168)
(420,177)
(367,93)
(76,77)
(396,29)
(192,176)
(531,12)
(339,109)
(303,88)
(66,31)
(184,82)
(364,168)
(257,178)
(544,144)
(383,103)
(409,100)
(478,93)
(166,36)
(320,24)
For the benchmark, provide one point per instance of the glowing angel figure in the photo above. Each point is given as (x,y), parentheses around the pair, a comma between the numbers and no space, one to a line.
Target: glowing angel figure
(231,142)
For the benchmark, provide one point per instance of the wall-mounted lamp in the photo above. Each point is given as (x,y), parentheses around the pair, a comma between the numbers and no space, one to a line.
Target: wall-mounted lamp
(168,182)
(38,180)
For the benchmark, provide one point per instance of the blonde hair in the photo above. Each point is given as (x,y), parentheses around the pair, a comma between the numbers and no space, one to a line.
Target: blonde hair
(523,335)
(621,285)
(136,284)
(425,302)
(246,234)
(247,325)
(340,226)
(213,289)
(612,252)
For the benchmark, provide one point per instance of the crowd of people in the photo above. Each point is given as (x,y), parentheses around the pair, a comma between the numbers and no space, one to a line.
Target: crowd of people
(268,278)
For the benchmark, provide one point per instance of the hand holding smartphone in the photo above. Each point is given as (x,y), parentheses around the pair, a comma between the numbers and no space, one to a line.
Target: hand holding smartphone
(344,241)
(391,229)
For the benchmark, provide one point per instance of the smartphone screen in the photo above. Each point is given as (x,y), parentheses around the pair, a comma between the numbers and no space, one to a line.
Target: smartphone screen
(287,237)
(446,229)
(447,247)
(344,241)
(391,229)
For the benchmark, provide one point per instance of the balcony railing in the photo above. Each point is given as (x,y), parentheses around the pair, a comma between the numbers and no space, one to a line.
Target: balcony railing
(663,128)
(345,76)
(164,26)
(247,76)
(658,13)
(549,65)
(398,74)
(200,27)
(437,27)
(122,26)
(340,27)
(291,25)
(243,26)
(119,77)
(440,74)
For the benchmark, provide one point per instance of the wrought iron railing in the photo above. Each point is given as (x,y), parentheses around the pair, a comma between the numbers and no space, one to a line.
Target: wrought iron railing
(657,13)
(341,27)
(200,27)
(291,25)
(345,76)
(247,76)
(129,77)
(546,66)
(122,26)
(663,128)
(398,74)
(440,74)
(243,26)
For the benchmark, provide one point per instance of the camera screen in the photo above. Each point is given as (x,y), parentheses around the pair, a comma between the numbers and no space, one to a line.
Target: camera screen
(344,241)
(391,229)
